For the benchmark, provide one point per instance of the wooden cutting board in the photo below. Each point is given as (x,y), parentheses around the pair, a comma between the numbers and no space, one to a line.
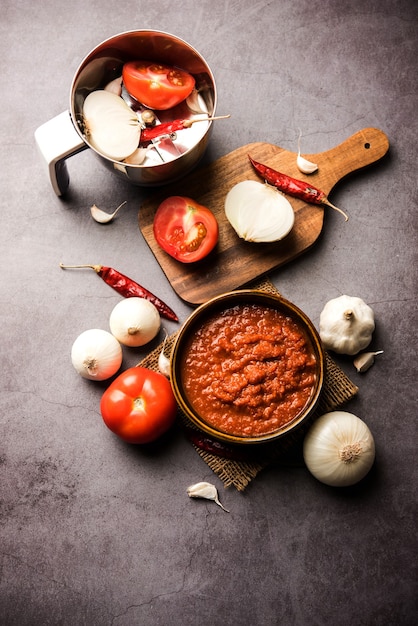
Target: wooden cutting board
(234,262)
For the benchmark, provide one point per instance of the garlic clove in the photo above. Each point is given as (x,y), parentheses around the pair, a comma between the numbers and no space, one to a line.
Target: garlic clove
(163,360)
(364,361)
(196,103)
(305,166)
(205,490)
(101,216)
(115,86)
(137,157)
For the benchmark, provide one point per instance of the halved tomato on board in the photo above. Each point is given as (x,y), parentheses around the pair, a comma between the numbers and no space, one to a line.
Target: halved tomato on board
(155,85)
(185,229)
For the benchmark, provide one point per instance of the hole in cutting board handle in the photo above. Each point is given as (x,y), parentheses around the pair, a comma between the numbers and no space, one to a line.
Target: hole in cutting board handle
(367,145)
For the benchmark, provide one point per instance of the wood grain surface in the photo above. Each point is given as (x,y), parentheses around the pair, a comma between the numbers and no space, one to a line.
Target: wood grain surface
(234,262)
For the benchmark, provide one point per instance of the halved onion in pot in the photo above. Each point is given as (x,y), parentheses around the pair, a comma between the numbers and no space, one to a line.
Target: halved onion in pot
(110,125)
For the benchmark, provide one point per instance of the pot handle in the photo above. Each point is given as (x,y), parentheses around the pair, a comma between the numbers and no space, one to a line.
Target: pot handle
(57,140)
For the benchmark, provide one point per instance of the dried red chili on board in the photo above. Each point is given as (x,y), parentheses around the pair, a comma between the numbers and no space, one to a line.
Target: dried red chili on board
(293,186)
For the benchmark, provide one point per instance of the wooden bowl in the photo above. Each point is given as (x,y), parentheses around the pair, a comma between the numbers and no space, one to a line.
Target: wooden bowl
(242,424)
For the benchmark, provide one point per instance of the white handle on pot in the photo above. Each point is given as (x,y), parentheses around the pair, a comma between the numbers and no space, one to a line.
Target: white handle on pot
(57,140)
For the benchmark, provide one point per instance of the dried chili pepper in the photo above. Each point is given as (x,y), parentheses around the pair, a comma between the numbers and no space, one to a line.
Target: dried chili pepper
(286,455)
(214,447)
(127,287)
(294,187)
(168,128)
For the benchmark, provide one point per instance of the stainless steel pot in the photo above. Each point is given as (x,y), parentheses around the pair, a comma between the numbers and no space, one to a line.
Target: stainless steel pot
(63,136)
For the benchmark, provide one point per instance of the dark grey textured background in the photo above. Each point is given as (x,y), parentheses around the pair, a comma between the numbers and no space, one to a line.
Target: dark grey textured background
(99,533)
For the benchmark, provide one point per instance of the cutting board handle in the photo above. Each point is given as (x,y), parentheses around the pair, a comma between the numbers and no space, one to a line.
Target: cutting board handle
(360,150)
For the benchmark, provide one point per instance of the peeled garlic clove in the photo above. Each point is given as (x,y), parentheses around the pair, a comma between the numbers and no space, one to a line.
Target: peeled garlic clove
(163,360)
(305,166)
(115,86)
(196,103)
(205,490)
(101,216)
(137,157)
(364,361)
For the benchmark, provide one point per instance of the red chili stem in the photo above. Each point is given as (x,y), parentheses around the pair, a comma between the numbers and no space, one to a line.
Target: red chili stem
(167,128)
(127,287)
(293,186)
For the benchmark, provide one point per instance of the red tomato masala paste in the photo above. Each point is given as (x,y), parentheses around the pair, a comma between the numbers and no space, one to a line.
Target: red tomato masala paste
(249,370)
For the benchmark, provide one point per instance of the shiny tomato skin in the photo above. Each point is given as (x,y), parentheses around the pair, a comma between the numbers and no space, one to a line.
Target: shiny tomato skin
(186,230)
(139,405)
(156,85)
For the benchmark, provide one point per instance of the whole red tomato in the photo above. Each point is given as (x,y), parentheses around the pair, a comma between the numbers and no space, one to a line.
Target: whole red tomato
(155,85)
(185,229)
(139,406)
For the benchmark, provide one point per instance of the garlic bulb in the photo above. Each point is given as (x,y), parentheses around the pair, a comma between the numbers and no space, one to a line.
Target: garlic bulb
(205,490)
(346,325)
(96,354)
(134,321)
(258,212)
(339,449)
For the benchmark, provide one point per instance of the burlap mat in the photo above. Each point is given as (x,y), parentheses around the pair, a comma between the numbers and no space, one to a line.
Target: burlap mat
(238,466)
